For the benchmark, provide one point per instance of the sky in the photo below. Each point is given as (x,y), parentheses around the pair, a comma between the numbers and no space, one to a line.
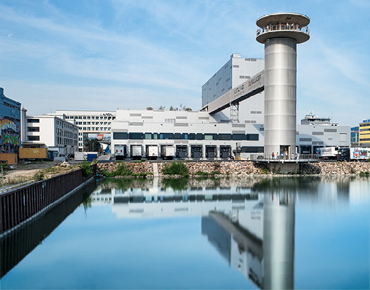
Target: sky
(109,54)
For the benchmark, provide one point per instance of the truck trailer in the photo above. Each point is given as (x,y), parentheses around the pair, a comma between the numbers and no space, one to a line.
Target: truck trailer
(136,151)
(168,151)
(353,154)
(327,152)
(152,151)
(120,151)
(33,153)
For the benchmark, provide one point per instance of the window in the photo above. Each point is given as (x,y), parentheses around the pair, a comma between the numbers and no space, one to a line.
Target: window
(251,149)
(185,136)
(33,129)
(199,136)
(148,135)
(120,136)
(136,136)
(166,136)
(252,137)
(224,136)
(33,138)
(177,136)
(33,120)
(239,137)
(208,137)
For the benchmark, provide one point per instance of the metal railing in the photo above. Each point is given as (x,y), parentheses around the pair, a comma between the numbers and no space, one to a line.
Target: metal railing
(18,205)
(280,158)
(283,27)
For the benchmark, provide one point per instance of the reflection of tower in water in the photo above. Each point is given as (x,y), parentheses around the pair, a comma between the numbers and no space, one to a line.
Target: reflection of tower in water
(259,243)
(278,241)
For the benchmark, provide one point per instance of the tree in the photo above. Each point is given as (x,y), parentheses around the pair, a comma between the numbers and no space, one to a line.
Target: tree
(188,109)
(94,145)
(149,108)
(171,108)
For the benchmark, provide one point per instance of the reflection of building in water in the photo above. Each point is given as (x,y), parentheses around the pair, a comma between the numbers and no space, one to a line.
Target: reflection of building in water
(252,228)
(258,242)
(160,202)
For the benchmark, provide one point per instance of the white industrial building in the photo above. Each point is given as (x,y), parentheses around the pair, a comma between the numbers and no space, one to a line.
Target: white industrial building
(49,131)
(214,133)
(90,123)
(191,134)
(235,72)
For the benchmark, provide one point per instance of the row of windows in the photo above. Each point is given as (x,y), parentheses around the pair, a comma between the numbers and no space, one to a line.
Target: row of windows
(33,120)
(33,138)
(33,129)
(365,125)
(91,117)
(92,123)
(184,136)
(94,128)
(11,106)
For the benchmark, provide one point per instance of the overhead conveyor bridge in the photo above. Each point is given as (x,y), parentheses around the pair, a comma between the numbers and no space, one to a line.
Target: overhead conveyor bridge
(242,92)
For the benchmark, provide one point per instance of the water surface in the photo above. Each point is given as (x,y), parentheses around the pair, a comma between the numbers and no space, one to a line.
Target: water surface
(302,233)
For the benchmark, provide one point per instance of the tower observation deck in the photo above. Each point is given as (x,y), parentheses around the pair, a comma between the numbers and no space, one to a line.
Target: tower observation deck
(280,33)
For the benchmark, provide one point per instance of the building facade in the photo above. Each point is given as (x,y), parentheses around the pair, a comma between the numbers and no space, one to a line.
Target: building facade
(9,124)
(364,133)
(355,136)
(91,124)
(192,134)
(235,72)
(52,132)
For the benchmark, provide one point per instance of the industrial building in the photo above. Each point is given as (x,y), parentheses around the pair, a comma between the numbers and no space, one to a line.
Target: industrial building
(49,131)
(248,104)
(192,134)
(90,123)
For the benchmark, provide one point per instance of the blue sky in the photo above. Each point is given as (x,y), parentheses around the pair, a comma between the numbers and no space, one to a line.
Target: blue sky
(109,54)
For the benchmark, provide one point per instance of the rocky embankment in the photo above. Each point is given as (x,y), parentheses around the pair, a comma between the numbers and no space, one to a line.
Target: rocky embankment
(244,168)
(335,168)
(135,168)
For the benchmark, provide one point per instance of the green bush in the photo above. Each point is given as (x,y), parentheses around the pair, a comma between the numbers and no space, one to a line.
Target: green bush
(86,168)
(200,173)
(38,176)
(364,174)
(122,170)
(175,168)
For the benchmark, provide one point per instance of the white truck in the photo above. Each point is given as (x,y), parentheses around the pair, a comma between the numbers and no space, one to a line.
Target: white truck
(80,156)
(168,151)
(327,152)
(352,154)
(152,152)
(136,151)
(119,151)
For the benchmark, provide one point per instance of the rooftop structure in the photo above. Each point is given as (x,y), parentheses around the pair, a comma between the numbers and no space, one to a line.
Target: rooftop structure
(311,119)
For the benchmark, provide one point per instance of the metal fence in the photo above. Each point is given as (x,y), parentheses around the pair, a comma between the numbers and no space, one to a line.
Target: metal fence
(18,205)
(281,158)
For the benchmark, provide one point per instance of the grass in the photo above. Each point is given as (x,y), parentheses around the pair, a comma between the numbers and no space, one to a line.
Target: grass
(364,174)
(122,170)
(175,168)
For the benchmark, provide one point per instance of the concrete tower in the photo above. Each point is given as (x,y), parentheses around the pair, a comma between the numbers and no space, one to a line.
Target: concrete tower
(280,32)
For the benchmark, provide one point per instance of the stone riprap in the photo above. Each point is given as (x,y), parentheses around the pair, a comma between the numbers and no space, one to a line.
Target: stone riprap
(245,168)
(335,168)
(136,168)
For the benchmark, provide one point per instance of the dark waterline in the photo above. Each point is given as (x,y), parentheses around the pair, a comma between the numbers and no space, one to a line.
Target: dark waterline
(302,233)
